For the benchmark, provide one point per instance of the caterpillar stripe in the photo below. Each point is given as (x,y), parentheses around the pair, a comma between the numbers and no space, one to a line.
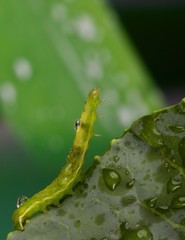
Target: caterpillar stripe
(63,184)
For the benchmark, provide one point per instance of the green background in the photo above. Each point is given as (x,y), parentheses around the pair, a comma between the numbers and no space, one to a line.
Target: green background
(52,54)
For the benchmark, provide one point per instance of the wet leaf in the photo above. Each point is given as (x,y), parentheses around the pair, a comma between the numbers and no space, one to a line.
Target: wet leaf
(139,196)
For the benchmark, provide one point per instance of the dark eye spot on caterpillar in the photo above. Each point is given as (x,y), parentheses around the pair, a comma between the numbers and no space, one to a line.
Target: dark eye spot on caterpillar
(70,173)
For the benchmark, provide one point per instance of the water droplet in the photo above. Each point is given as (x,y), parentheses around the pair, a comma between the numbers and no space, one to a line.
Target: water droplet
(151,202)
(126,225)
(22,69)
(174,184)
(126,172)
(21,200)
(111,178)
(177,129)
(130,184)
(77,224)
(97,158)
(100,219)
(178,203)
(144,234)
(141,233)
(116,158)
(77,204)
(146,177)
(61,212)
(128,200)
(162,208)
(182,150)
(76,124)
(71,216)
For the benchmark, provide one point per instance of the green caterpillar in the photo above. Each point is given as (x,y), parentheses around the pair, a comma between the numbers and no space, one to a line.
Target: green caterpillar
(63,184)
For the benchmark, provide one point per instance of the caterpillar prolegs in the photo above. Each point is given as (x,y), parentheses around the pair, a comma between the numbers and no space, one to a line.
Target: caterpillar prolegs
(63,184)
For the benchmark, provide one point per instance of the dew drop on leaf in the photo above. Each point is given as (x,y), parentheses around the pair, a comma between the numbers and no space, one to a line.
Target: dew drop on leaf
(174,184)
(144,234)
(178,203)
(61,212)
(141,233)
(93,200)
(100,219)
(151,202)
(177,129)
(111,178)
(77,223)
(126,225)
(130,184)
(162,208)
(116,158)
(128,200)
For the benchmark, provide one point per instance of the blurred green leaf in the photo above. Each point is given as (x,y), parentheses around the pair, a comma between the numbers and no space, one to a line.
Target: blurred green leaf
(135,191)
(52,54)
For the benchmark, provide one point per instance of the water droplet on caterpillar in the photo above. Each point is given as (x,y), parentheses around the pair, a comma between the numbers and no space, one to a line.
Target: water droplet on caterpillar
(76,124)
(21,200)
(112,178)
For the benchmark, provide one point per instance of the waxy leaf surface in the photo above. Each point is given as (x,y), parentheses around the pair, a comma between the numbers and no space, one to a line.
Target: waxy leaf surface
(136,190)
